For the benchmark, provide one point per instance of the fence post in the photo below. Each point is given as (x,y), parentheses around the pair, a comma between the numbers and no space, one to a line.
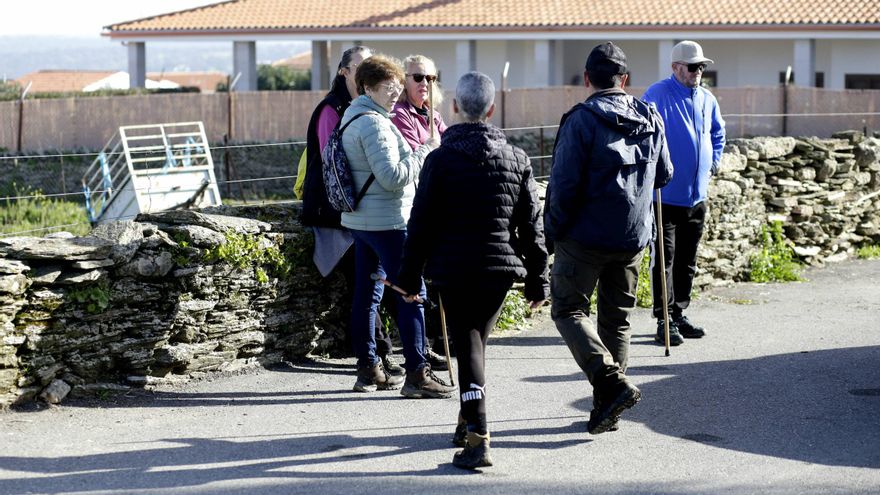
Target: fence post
(541,146)
(21,114)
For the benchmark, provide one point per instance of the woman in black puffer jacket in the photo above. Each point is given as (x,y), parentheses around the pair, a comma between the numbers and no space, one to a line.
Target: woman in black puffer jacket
(475,227)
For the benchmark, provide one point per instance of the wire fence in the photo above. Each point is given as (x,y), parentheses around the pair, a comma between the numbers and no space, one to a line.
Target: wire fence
(536,140)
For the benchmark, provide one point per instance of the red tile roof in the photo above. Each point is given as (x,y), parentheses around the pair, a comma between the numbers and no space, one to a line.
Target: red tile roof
(70,81)
(529,15)
(302,61)
(62,81)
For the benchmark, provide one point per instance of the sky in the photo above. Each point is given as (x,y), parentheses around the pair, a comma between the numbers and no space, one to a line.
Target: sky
(80,18)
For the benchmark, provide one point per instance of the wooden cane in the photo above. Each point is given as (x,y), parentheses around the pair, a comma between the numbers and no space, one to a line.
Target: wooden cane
(431,108)
(661,248)
(433,131)
(445,340)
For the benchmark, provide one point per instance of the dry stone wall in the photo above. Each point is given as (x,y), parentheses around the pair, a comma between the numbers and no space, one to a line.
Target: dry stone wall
(139,302)
(184,293)
(826,192)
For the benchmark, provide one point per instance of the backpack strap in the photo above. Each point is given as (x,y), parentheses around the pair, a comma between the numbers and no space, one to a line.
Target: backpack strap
(372,177)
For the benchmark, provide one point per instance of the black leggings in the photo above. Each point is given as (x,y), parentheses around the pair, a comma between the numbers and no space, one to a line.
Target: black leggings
(471,312)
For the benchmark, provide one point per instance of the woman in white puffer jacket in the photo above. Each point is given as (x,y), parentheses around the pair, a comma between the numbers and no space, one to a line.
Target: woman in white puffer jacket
(374,146)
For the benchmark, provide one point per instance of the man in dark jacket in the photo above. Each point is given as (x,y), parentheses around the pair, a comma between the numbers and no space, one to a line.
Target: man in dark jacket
(475,226)
(610,154)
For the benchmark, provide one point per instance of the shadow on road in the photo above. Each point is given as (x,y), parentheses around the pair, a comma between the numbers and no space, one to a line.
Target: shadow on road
(821,407)
(199,461)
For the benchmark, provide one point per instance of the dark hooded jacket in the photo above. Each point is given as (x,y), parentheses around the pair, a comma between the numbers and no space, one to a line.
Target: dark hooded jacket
(316,209)
(476,216)
(610,155)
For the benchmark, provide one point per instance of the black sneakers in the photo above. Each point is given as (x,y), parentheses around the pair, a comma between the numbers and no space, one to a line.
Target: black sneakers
(674,336)
(623,396)
(687,329)
(424,384)
(372,378)
(475,453)
(391,366)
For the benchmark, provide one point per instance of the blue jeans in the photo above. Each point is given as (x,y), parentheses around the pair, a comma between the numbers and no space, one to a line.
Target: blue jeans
(381,252)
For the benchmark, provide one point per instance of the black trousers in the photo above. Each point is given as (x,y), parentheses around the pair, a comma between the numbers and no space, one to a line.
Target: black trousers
(471,313)
(682,231)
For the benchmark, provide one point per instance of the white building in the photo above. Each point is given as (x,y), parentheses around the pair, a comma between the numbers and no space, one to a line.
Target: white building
(827,43)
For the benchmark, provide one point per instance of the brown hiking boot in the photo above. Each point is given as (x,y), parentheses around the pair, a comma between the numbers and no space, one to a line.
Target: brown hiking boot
(372,378)
(424,384)
(475,454)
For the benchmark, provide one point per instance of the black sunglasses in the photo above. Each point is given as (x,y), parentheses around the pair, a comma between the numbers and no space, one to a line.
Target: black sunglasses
(421,77)
(695,67)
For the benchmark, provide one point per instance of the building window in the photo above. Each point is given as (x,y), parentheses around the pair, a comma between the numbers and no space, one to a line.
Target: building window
(818,79)
(862,81)
(710,79)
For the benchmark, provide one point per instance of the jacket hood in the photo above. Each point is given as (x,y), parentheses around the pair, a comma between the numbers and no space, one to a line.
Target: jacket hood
(477,140)
(620,111)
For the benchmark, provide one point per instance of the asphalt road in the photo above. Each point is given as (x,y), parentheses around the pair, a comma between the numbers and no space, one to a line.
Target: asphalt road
(782,397)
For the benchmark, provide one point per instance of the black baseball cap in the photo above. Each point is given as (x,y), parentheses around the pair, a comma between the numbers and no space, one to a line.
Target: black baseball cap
(607,58)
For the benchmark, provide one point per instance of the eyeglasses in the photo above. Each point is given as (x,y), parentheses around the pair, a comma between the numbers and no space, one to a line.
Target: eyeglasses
(352,68)
(391,88)
(421,77)
(696,67)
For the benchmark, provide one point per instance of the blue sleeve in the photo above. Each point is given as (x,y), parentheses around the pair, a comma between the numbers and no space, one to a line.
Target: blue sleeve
(568,177)
(718,134)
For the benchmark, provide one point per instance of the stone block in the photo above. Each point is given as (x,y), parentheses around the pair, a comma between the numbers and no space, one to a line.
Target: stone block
(12,267)
(55,392)
(69,249)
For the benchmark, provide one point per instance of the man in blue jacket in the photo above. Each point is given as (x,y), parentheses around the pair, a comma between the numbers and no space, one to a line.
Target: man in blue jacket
(695,134)
(610,155)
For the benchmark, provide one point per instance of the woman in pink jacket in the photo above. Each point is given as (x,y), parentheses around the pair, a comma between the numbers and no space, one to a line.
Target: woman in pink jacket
(411,112)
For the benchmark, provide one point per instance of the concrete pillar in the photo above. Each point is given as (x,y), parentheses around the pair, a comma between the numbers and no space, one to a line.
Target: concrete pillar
(804,67)
(465,58)
(137,64)
(541,64)
(664,63)
(244,62)
(556,63)
(320,65)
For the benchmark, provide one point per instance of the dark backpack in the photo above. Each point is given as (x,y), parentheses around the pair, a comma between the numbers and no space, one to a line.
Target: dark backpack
(337,172)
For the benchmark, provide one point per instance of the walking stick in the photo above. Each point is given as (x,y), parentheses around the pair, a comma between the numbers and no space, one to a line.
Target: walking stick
(442,311)
(431,108)
(662,248)
(445,340)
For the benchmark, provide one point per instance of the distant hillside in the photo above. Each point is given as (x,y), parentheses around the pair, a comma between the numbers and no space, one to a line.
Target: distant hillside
(20,55)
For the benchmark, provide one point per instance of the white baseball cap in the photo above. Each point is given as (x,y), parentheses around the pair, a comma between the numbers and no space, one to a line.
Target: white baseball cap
(689,52)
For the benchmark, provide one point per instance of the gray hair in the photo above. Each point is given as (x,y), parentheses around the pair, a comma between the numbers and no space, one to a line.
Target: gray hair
(474,93)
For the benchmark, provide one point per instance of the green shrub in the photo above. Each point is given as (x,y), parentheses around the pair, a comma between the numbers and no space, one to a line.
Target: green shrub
(514,312)
(243,251)
(776,260)
(94,298)
(869,252)
(644,299)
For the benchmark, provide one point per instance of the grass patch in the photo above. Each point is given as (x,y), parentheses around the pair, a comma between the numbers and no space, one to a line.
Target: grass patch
(644,298)
(243,251)
(869,252)
(776,260)
(38,215)
(514,311)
